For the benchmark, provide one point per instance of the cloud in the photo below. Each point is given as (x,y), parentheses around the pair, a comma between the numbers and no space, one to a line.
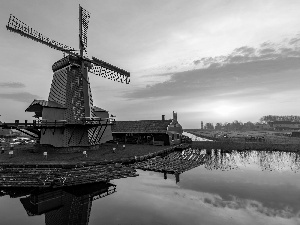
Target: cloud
(217,79)
(19,96)
(233,191)
(244,50)
(249,205)
(267,51)
(12,84)
(244,67)
(196,62)
(244,92)
(294,41)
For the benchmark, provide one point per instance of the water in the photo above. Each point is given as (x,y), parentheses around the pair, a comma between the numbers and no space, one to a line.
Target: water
(194,137)
(229,188)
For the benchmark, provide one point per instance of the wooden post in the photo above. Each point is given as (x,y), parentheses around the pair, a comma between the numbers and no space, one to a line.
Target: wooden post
(165,175)
(45,155)
(177,177)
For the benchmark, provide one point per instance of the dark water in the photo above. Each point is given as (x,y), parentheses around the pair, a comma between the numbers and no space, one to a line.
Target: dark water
(236,188)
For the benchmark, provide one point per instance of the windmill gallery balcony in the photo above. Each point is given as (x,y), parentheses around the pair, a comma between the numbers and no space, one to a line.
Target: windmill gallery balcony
(44,124)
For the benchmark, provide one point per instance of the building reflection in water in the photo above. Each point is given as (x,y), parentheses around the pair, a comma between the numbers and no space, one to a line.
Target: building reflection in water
(62,206)
(217,159)
(177,174)
(177,177)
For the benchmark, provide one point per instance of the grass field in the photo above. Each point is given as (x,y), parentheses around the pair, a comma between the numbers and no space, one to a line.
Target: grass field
(274,137)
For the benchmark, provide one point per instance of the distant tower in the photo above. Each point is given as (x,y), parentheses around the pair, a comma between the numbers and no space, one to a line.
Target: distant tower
(201,125)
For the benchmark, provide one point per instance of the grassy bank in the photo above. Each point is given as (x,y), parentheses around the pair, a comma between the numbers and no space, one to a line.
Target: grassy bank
(241,146)
(105,152)
(238,140)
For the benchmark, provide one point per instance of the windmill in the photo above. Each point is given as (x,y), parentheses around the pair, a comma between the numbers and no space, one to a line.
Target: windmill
(69,117)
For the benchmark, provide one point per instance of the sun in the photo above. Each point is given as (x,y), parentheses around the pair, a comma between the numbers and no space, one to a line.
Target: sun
(225,110)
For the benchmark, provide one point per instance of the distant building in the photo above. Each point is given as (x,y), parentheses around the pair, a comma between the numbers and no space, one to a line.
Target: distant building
(295,134)
(5,132)
(157,132)
(285,125)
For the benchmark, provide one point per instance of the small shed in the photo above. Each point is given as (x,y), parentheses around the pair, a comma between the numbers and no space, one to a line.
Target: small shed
(295,134)
(4,133)
(47,109)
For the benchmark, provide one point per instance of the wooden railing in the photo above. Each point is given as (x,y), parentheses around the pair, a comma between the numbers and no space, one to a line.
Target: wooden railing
(57,123)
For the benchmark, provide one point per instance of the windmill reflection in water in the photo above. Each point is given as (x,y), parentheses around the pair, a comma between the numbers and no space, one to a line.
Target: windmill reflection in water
(68,205)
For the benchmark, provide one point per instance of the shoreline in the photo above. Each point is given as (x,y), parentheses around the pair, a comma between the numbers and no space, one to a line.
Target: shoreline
(245,146)
(30,158)
(240,144)
(27,158)
(57,173)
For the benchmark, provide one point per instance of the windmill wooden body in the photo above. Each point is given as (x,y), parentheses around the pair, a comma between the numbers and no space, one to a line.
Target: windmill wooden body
(68,117)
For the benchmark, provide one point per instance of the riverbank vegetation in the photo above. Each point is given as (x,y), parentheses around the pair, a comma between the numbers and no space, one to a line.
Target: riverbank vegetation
(264,122)
(246,140)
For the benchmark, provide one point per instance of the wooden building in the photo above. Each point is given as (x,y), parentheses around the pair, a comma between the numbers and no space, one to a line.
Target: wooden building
(285,125)
(157,132)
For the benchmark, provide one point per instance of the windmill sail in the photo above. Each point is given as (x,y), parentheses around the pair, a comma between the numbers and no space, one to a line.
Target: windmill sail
(17,26)
(84,17)
(106,70)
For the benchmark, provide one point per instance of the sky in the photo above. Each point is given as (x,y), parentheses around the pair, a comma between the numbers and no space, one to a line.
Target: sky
(211,61)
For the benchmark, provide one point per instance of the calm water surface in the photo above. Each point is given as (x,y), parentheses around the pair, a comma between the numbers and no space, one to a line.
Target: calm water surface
(236,188)
(194,137)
